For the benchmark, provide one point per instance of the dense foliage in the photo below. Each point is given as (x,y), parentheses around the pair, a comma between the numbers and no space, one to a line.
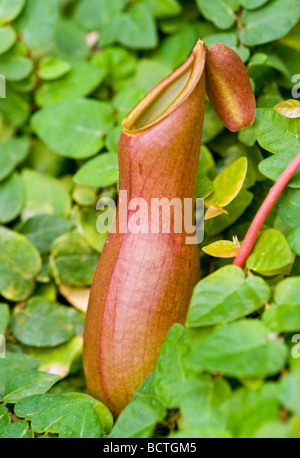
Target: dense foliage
(73,69)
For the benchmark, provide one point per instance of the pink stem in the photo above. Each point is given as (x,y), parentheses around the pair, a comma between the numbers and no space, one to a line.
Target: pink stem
(264,210)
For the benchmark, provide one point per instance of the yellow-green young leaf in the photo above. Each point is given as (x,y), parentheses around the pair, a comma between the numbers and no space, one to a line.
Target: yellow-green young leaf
(221,249)
(228,183)
(289,108)
(213,211)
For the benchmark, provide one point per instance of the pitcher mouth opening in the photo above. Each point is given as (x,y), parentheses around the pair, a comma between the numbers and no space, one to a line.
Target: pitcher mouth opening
(171,92)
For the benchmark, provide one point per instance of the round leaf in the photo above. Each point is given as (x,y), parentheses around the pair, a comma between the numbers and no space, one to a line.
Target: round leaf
(73,261)
(52,68)
(74,128)
(20,262)
(271,253)
(12,153)
(11,198)
(101,171)
(226,295)
(44,194)
(7,38)
(38,21)
(10,9)
(43,323)
(81,80)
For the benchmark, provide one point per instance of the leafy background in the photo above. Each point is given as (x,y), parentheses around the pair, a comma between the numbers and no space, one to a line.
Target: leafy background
(73,70)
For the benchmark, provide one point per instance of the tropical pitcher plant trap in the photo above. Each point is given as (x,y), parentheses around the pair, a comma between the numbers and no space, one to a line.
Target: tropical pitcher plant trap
(144,281)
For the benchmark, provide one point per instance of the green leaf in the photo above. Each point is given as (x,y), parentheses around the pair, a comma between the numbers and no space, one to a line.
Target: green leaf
(15,68)
(163,8)
(220,12)
(244,350)
(284,316)
(44,323)
(44,195)
(16,430)
(53,67)
(274,429)
(269,23)
(4,417)
(274,166)
(69,418)
(139,418)
(14,108)
(7,38)
(82,422)
(287,292)
(252,4)
(294,240)
(27,383)
(175,48)
(276,133)
(289,56)
(87,13)
(88,228)
(4,317)
(228,183)
(247,136)
(100,172)
(169,376)
(14,363)
(72,260)
(38,22)
(42,230)
(289,393)
(199,410)
(271,253)
(74,128)
(212,124)
(288,207)
(11,198)
(71,40)
(81,80)
(48,404)
(225,296)
(118,63)
(31,405)
(229,39)
(247,410)
(263,67)
(104,415)
(204,186)
(19,264)
(12,153)
(85,196)
(137,28)
(10,9)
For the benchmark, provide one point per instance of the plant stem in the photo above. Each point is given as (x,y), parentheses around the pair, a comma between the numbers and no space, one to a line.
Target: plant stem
(264,210)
